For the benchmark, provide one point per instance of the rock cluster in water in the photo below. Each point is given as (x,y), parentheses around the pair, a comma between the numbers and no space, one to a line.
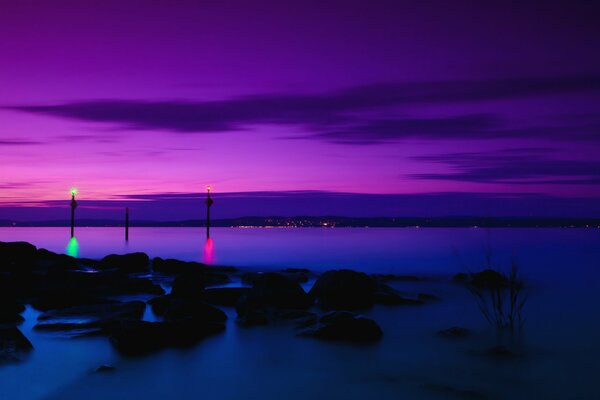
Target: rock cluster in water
(85,297)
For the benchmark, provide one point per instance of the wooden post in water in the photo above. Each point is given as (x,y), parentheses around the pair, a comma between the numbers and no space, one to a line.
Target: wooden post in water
(209,203)
(126,223)
(73,207)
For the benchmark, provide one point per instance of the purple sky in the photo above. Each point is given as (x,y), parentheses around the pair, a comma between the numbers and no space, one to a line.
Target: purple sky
(467,104)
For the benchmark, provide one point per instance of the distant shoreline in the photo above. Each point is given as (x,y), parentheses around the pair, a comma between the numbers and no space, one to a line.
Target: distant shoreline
(334,222)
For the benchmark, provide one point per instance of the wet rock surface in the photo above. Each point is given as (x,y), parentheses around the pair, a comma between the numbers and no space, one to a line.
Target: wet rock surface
(90,319)
(351,290)
(344,326)
(129,263)
(142,337)
(270,294)
(14,346)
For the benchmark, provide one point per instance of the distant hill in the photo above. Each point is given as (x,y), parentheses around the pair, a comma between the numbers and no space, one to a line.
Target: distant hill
(336,221)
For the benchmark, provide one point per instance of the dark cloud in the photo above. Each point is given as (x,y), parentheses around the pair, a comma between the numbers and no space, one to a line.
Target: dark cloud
(342,116)
(18,142)
(517,166)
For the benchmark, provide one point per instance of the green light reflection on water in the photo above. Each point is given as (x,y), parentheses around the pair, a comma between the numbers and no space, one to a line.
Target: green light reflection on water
(73,248)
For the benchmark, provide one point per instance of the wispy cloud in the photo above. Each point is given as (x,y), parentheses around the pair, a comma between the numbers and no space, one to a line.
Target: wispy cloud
(516,166)
(19,142)
(341,116)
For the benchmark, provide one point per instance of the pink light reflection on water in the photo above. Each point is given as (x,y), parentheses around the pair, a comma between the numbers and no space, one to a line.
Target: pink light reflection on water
(209,252)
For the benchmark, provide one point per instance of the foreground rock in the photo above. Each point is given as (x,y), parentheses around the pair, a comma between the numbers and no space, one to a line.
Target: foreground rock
(344,326)
(224,296)
(14,346)
(10,310)
(142,337)
(171,266)
(350,290)
(91,319)
(174,308)
(270,294)
(128,263)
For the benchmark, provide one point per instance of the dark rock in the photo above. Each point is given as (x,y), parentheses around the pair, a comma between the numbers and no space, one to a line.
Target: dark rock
(10,310)
(455,332)
(141,337)
(57,301)
(90,319)
(174,308)
(392,278)
(301,318)
(271,293)
(299,275)
(248,277)
(488,279)
(13,344)
(128,263)
(344,289)
(296,271)
(189,284)
(388,296)
(351,290)
(106,369)
(344,326)
(17,256)
(175,267)
(48,261)
(224,296)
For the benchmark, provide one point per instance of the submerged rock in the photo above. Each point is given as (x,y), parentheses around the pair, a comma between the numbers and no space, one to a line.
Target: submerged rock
(344,326)
(455,332)
(106,369)
(13,345)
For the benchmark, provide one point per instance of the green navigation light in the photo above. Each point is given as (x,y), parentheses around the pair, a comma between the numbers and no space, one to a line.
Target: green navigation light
(73,248)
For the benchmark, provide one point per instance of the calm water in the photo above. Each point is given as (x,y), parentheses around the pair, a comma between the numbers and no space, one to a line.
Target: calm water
(563,353)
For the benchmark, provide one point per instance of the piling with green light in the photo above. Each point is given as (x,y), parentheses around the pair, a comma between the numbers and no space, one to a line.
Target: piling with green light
(73,207)
(209,203)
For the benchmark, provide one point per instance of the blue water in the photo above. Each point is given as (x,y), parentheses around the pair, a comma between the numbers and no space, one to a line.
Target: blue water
(561,362)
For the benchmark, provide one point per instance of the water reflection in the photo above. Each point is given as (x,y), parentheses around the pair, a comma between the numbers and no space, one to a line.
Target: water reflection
(73,248)
(209,252)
